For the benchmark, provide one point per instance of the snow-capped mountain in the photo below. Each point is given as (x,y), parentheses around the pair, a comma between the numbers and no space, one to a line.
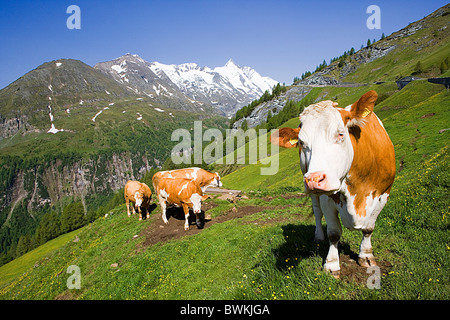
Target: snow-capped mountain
(226,88)
(136,74)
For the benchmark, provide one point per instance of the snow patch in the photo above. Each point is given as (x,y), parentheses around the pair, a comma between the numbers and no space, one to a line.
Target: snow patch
(99,113)
(118,68)
(159,110)
(58,64)
(54,130)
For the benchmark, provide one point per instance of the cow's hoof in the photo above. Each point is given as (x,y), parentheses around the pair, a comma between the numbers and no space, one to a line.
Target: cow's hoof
(367,261)
(336,274)
(330,267)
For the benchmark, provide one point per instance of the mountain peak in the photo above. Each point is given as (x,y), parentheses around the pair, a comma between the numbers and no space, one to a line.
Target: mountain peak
(230,63)
(132,57)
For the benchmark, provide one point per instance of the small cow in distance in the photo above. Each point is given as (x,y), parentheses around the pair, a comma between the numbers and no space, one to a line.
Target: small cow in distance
(181,193)
(348,165)
(202,177)
(139,194)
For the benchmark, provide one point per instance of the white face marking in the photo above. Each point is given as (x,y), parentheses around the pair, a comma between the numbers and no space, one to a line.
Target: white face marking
(219,183)
(196,201)
(138,199)
(325,143)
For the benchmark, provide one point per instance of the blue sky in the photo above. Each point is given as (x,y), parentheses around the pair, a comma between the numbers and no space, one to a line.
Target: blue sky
(280,39)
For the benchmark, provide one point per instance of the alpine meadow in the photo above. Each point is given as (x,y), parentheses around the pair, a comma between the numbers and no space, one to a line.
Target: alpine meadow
(72,135)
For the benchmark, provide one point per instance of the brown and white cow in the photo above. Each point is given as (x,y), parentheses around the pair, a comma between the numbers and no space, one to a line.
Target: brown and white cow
(348,165)
(139,194)
(202,177)
(182,193)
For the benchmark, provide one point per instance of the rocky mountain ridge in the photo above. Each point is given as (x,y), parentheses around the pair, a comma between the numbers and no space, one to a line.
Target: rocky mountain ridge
(423,39)
(226,88)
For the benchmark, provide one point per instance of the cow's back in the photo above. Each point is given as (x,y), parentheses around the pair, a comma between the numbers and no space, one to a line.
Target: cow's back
(199,175)
(131,188)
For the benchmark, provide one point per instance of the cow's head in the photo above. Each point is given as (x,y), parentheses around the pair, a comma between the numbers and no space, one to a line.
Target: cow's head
(326,151)
(216,182)
(196,201)
(139,196)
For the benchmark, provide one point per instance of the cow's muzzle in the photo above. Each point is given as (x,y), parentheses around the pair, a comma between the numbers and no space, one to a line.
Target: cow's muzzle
(317,181)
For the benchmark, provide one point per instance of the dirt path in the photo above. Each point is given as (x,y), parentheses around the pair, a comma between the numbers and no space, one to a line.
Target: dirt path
(158,232)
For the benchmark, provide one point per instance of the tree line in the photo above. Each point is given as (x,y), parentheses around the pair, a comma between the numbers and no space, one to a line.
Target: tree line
(248,109)
(342,58)
(51,225)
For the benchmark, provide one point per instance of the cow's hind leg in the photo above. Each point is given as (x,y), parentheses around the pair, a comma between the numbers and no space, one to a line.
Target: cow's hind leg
(366,258)
(163,205)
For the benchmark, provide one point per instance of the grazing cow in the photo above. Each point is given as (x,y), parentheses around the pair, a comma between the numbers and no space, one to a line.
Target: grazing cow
(140,195)
(348,165)
(181,193)
(202,177)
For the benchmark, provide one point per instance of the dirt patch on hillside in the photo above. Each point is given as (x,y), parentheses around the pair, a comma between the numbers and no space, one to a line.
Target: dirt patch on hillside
(159,232)
(351,271)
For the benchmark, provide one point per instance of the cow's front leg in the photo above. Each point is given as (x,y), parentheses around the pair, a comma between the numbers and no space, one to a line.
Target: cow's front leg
(334,232)
(332,262)
(366,258)
(127,201)
(140,213)
(318,234)
(186,216)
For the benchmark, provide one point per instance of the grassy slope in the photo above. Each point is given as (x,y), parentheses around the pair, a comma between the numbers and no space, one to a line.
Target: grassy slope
(429,45)
(17,267)
(270,255)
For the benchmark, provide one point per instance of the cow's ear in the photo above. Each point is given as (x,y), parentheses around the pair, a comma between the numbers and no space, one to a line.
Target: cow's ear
(285,137)
(360,110)
(204,197)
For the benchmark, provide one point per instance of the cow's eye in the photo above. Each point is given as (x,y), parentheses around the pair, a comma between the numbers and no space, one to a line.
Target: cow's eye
(301,143)
(340,137)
